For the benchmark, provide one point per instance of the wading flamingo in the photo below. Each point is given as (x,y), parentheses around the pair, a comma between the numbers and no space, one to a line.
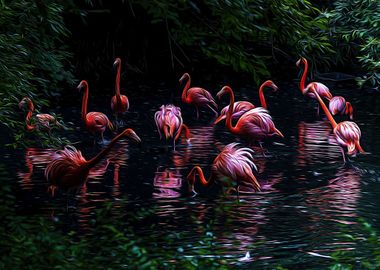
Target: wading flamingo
(240,107)
(347,133)
(234,163)
(119,103)
(95,122)
(339,106)
(255,125)
(169,121)
(69,170)
(43,120)
(321,89)
(197,96)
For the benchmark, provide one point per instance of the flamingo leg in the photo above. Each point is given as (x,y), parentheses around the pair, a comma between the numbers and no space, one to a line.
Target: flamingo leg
(196,108)
(211,108)
(318,109)
(343,154)
(174,144)
(237,192)
(262,148)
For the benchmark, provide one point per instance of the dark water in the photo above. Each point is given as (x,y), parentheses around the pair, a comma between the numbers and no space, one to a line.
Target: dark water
(309,196)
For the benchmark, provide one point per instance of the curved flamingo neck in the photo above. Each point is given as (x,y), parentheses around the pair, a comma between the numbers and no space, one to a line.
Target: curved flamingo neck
(192,177)
(303,78)
(117,81)
(184,92)
(92,162)
(187,132)
(230,110)
(325,109)
(261,94)
(28,118)
(349,110)
(84,102)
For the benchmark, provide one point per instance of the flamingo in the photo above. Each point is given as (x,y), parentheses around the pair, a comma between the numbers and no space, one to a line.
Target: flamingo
(70,170)
(322,89)
(169,121)
(43,120)
(232,162)
(338,105)
(119,103)
(240,107)
(197,96)
(95,122)
(256,124)
(347,133)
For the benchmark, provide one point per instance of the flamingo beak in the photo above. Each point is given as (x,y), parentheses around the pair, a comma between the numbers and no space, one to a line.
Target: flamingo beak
(117,61)
(220,93)
(79,87)
(134,137)
(275,87)
(298,62)
(182,78)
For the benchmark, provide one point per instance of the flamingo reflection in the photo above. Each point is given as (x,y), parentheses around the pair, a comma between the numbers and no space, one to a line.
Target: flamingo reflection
(315,142)
(167,184)
(34,157)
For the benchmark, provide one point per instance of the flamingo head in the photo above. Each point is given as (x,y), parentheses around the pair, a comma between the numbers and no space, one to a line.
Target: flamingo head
(224,90)
(82,84)
(130,133)
(302,59)
(184,76)
(272,85)
(117,62)
(24,101)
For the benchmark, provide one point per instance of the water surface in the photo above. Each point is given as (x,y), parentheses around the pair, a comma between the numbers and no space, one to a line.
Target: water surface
(309,196)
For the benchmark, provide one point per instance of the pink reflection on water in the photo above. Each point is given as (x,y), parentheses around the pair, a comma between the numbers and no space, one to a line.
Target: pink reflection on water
(34,158)
(339,200)
(315,141)
(167,184)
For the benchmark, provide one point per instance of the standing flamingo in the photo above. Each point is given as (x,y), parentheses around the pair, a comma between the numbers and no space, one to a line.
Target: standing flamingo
(322,89)
(256,124)
(119,103)
(95,122)
(43,120)
(69,170)
(347,133)
(240,107)
(338,105)
(232,162)
(169,121)
(197,96)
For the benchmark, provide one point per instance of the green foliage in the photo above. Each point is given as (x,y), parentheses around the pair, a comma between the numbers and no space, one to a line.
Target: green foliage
(31,242)
(366,255)
(33,60)
(355,28)
(239,33)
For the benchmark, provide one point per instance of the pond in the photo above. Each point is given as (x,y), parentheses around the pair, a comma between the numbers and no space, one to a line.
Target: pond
(309,196)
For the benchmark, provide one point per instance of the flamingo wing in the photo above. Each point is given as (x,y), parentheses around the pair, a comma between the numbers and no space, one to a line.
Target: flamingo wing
(201,96)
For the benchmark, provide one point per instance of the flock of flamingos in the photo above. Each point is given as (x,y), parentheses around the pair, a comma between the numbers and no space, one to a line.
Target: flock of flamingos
(69,170)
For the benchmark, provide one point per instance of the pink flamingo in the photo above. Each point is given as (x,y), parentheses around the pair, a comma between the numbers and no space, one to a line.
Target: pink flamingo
(197,96)
(70,170)
(256,124)
(347,133)
(234,163)
(95,122)
(43,120)
(241,107)
(322,89)
(119,103)
(339,106)
(169,121)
